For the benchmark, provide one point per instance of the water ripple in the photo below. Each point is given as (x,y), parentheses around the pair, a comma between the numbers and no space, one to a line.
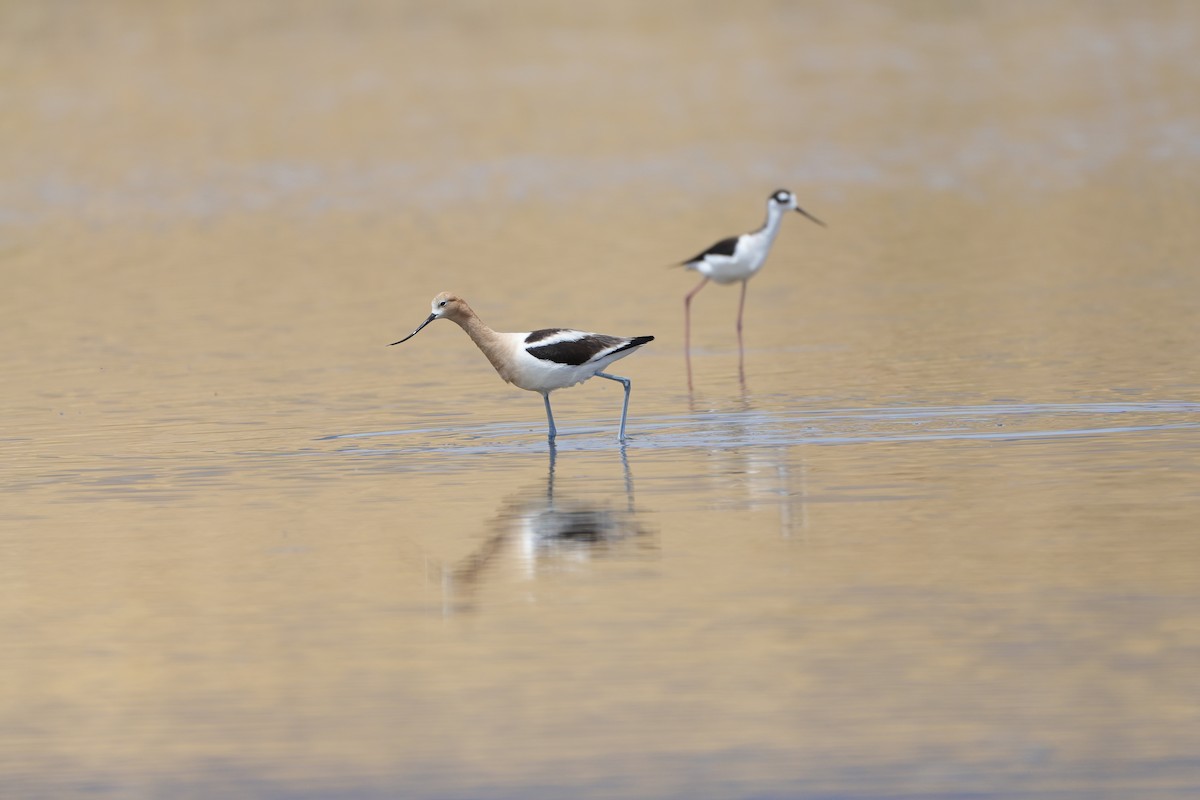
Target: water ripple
(772,428)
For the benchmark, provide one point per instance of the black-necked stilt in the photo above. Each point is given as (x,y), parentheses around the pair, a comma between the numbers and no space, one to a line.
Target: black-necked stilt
(738,258)
(543,360)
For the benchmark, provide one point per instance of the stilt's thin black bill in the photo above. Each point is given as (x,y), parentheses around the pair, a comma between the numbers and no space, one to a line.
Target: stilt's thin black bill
(800,210)
(432,317)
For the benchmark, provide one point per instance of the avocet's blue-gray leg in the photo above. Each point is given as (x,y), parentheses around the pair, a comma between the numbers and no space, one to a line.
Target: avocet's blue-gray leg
(625,408)
(549,416)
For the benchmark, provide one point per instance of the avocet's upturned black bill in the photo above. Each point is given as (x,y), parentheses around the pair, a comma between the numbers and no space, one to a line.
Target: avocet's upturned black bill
(737,259)
(428,320)
(542,360)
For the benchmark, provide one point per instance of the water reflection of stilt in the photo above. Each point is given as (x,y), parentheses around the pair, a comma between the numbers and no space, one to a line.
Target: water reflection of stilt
(773,478)
(792,491)
(772,475)
(741,403)
(741,374)
(542,531)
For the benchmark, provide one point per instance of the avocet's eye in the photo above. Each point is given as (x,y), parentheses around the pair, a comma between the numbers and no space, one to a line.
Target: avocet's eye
(442,304)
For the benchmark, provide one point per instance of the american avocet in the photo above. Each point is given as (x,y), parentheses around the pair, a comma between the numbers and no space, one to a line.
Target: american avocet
(738,258)
(544,360)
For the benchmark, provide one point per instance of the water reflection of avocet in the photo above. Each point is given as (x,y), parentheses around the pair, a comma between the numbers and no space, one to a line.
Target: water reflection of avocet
(538,532)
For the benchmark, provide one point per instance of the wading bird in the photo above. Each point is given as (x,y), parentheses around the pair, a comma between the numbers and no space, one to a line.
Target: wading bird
(737,258)
(543,360)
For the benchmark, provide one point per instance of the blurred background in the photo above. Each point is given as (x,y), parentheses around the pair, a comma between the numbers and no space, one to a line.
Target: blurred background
(939,540)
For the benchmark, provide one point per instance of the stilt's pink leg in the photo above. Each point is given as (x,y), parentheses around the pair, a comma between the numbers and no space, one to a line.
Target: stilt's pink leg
(741,308)
(741,351)
(687,328)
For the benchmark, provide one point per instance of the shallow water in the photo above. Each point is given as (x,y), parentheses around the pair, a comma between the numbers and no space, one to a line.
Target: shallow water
(939,540)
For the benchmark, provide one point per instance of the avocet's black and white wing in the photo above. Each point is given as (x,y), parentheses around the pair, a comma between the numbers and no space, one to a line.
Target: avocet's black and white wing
(575,348)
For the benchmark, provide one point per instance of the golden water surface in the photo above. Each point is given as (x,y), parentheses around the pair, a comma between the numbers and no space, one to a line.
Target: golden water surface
(940,541)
